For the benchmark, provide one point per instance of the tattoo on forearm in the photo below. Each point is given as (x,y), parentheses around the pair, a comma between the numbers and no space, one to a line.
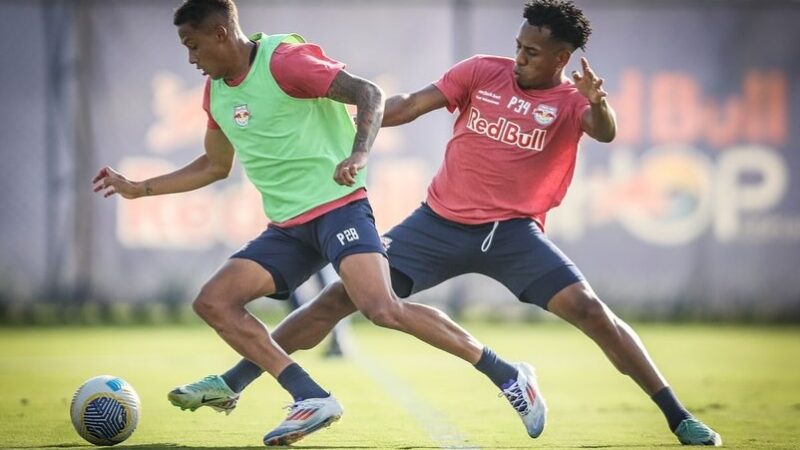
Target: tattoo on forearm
(356,91)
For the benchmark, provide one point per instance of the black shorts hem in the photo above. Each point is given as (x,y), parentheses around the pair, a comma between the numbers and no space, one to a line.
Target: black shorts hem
(281,288)
(541,291)
(354,251)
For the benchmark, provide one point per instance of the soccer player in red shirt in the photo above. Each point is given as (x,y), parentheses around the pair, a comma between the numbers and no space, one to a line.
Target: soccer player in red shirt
(509,161)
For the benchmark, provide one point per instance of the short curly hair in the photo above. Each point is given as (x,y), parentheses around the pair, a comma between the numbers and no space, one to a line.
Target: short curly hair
(195,12)
(565,20)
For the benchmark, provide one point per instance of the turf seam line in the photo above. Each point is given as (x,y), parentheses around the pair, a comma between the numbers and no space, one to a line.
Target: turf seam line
(440,430)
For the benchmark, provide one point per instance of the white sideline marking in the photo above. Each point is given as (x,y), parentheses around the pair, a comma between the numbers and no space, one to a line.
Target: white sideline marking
(436,426)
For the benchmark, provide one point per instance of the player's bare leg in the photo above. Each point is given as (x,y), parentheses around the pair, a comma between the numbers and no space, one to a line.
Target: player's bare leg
(369,288)
(579,305)
(308,325)
(368,283)
(367,280)
(221,304)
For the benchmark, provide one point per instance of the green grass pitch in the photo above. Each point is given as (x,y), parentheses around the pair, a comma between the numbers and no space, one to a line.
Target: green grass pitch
(400,394)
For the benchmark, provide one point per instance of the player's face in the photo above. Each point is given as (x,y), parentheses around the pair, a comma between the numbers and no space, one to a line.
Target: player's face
(206,49)
(539,58)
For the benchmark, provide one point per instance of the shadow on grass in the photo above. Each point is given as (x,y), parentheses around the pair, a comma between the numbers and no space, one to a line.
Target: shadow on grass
(172,446)
(644,446)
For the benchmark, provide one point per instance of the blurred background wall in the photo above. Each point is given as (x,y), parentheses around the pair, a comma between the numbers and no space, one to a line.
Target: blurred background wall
(694,210)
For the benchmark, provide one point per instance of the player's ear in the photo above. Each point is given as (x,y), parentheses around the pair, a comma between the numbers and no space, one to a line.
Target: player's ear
(221,32)
(563,57)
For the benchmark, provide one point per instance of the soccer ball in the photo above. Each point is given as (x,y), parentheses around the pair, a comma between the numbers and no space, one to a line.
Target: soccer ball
(105,410)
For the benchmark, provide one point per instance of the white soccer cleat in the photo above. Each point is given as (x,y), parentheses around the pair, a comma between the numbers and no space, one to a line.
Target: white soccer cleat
(305,417)
(525,397)
(211,391)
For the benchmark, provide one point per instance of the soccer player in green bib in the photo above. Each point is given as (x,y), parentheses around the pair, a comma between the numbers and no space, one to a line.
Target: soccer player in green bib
(278,103)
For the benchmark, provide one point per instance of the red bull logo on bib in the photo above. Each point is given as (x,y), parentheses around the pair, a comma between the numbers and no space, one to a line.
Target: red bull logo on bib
(241,115)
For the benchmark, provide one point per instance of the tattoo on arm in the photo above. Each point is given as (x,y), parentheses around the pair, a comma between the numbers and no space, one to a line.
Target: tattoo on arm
(344,88)
(368,98)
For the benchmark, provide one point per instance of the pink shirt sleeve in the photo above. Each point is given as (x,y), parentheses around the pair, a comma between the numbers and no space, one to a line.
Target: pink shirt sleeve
(457,83)
(303,70)
(581,106)
(211,124)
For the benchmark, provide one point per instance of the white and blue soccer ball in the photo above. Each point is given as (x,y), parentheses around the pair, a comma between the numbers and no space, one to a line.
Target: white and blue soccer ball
(105,410)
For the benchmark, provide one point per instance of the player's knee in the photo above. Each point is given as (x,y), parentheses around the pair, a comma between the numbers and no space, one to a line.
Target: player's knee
(208,306)
(594,314)
(203,308)
(386,315)
(386,318)
(337,302)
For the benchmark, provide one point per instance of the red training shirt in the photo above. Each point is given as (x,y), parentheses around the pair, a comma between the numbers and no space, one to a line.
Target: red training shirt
(513,151)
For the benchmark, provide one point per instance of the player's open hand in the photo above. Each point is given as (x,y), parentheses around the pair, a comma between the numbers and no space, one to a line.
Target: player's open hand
(346,171)
(589,84)
(111,182)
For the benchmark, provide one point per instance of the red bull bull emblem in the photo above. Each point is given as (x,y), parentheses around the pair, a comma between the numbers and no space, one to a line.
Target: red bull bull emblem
(241,115)
(545,114)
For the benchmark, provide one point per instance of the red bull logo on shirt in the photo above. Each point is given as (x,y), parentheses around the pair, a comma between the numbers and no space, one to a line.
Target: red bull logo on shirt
(506,131)
(241,115)
(545,114)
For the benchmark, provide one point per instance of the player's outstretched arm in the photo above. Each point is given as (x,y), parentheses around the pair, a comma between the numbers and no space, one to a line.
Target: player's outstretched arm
(214,165)
(599,120)
(403,108)
(368,98)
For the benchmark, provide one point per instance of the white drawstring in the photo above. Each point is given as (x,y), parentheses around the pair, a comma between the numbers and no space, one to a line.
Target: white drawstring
(488,241)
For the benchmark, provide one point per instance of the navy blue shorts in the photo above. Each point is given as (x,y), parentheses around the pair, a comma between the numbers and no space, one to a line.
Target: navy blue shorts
(427,249)
(292,255)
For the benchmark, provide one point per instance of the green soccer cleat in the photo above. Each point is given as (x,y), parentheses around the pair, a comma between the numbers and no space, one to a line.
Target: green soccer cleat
(693,432)
(211,391)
